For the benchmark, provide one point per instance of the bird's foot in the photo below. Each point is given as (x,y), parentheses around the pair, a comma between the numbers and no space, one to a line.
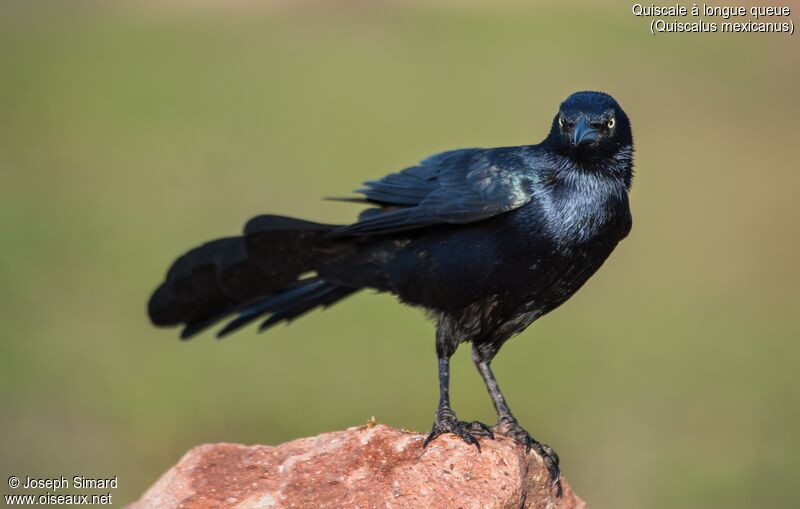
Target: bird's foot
(509,427)
(446,422)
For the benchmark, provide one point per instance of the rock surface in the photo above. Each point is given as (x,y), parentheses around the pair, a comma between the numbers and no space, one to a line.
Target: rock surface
(363,467)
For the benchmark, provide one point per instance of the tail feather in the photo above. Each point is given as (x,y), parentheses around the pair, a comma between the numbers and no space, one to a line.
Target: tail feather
(305,296)
(197,326)
(193,287)
(253,275)
(325,298)
(266,305)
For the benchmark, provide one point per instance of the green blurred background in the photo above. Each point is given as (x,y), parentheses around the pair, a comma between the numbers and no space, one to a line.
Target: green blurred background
(128,135)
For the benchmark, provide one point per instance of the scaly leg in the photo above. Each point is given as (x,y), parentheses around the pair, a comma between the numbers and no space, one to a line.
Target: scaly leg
(507,424)
(446,421)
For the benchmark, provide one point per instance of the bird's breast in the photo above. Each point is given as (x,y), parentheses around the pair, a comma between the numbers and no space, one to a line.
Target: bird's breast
(584,215)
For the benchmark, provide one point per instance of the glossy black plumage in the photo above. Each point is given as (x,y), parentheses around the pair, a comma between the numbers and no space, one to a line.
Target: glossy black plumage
(487,240)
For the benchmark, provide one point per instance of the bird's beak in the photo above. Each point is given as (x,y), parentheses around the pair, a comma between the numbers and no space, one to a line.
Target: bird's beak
(583,133)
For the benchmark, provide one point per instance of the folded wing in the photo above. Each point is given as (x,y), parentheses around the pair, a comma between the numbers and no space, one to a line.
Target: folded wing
(456,187)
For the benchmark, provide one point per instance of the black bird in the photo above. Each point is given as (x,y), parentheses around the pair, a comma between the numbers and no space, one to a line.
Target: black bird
(486,240)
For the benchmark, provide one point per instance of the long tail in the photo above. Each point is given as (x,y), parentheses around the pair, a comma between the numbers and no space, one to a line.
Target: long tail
(260,274)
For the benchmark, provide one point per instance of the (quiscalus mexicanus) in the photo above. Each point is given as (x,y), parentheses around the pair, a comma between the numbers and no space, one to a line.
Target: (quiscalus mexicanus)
(486,240)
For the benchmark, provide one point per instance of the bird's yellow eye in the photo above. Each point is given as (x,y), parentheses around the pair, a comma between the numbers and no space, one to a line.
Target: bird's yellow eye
(561,121)
(612,122)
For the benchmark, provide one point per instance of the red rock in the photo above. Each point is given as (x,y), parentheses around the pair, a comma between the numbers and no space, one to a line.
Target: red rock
(364,467)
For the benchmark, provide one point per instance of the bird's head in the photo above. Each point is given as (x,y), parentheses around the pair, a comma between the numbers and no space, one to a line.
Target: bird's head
(590,125)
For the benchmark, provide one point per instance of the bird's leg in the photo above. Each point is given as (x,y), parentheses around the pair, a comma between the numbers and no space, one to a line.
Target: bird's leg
(507,424)
(446,421)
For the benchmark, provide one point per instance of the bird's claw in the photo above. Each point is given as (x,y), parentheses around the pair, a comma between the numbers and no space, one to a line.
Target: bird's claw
(512,429)
(467,431)
(481,429)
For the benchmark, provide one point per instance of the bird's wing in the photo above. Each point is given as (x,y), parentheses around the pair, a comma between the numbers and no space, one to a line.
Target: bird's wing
(456,187)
